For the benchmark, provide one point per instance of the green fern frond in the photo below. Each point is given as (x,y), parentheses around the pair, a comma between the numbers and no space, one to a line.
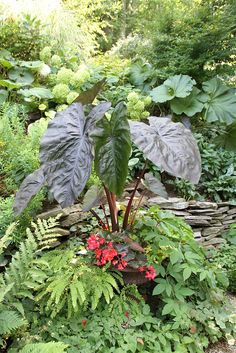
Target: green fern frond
(51,347)
(9,321)
(6,237)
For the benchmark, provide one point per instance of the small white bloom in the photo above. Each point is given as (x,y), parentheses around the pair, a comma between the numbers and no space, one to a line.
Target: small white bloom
(45,70)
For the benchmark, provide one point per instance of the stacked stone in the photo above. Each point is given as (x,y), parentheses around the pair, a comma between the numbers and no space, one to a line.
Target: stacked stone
(209,220)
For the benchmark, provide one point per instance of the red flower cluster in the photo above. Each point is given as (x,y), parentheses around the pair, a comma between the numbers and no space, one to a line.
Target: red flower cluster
(150,272)
(105,252)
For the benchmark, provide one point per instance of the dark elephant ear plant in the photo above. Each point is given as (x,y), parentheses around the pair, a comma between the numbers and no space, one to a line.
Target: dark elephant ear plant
(73,142)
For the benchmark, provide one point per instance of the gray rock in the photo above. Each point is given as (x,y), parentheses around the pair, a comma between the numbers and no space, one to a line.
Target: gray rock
(229,221)
(214,241)
(197,235)
(179,213)
(223,209)
(232,211)
(73,218)
(197,220)
(229,217)
(203,204)
(53,213)
(61,231)
(212,230)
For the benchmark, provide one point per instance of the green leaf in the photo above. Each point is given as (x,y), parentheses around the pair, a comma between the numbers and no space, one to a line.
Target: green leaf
(186,291)
(88,96)
(112,149)
(175,256)
(8,64)
(175,86)
(227,140)
(20,75)
(168,308)
(160,288)
(39,92)
(34,65)
(190,105)
(221,104)
(3,95)
(9,84)
(187,273)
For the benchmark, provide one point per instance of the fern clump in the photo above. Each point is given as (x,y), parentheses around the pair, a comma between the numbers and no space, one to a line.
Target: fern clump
(51,347)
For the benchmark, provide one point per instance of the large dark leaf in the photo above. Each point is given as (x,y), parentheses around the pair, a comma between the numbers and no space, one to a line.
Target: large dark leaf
(154,185)
(30,186)
(66,153)
(112,149)
(93,197)
(168,145)
(96,114)
(88,96)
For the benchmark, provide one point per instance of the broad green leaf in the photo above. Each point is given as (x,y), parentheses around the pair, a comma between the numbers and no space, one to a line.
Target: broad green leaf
(112,149)
(39,92)
(189,105)
(154,185)
(186,291)
(34,65)
(168,308)
(160,288)
(227,139)
(221,103)
(187,273)
(175,86)
(170,146)
(8,64)
(9,84)
(175,256)
(21,75)
(3,95)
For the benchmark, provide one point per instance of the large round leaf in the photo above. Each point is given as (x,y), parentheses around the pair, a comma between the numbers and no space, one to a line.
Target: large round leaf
(112,149)
(169,146)
(21,75)
(39,92)
(190,105)
(221,104)
(66,153)
(175,86)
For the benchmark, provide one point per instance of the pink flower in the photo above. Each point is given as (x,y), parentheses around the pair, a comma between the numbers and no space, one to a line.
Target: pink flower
(150,273)
(94,241)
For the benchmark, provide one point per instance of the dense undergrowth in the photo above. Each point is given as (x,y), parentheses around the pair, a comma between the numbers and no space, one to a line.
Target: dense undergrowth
(59,300)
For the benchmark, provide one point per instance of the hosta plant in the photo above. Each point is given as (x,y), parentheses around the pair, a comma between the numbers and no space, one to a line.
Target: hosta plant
(74,141)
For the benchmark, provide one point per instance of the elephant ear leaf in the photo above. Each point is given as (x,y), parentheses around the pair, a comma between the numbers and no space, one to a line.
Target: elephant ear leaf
(227,139)
(88,96)
(154,185)
(93,197)
(169,146)
(96,114)
(66,154)
(29,188)
(112,149)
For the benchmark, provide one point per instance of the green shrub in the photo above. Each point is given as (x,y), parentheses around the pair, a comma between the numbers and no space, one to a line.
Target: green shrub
(22,37)
(218,178)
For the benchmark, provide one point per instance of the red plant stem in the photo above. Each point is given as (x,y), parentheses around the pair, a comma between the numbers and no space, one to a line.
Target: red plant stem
(100,221)
(128,208)
(136,211)
(105,215)
(113,209)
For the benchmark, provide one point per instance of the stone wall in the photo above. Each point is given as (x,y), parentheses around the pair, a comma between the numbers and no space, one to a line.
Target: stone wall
(209,220)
